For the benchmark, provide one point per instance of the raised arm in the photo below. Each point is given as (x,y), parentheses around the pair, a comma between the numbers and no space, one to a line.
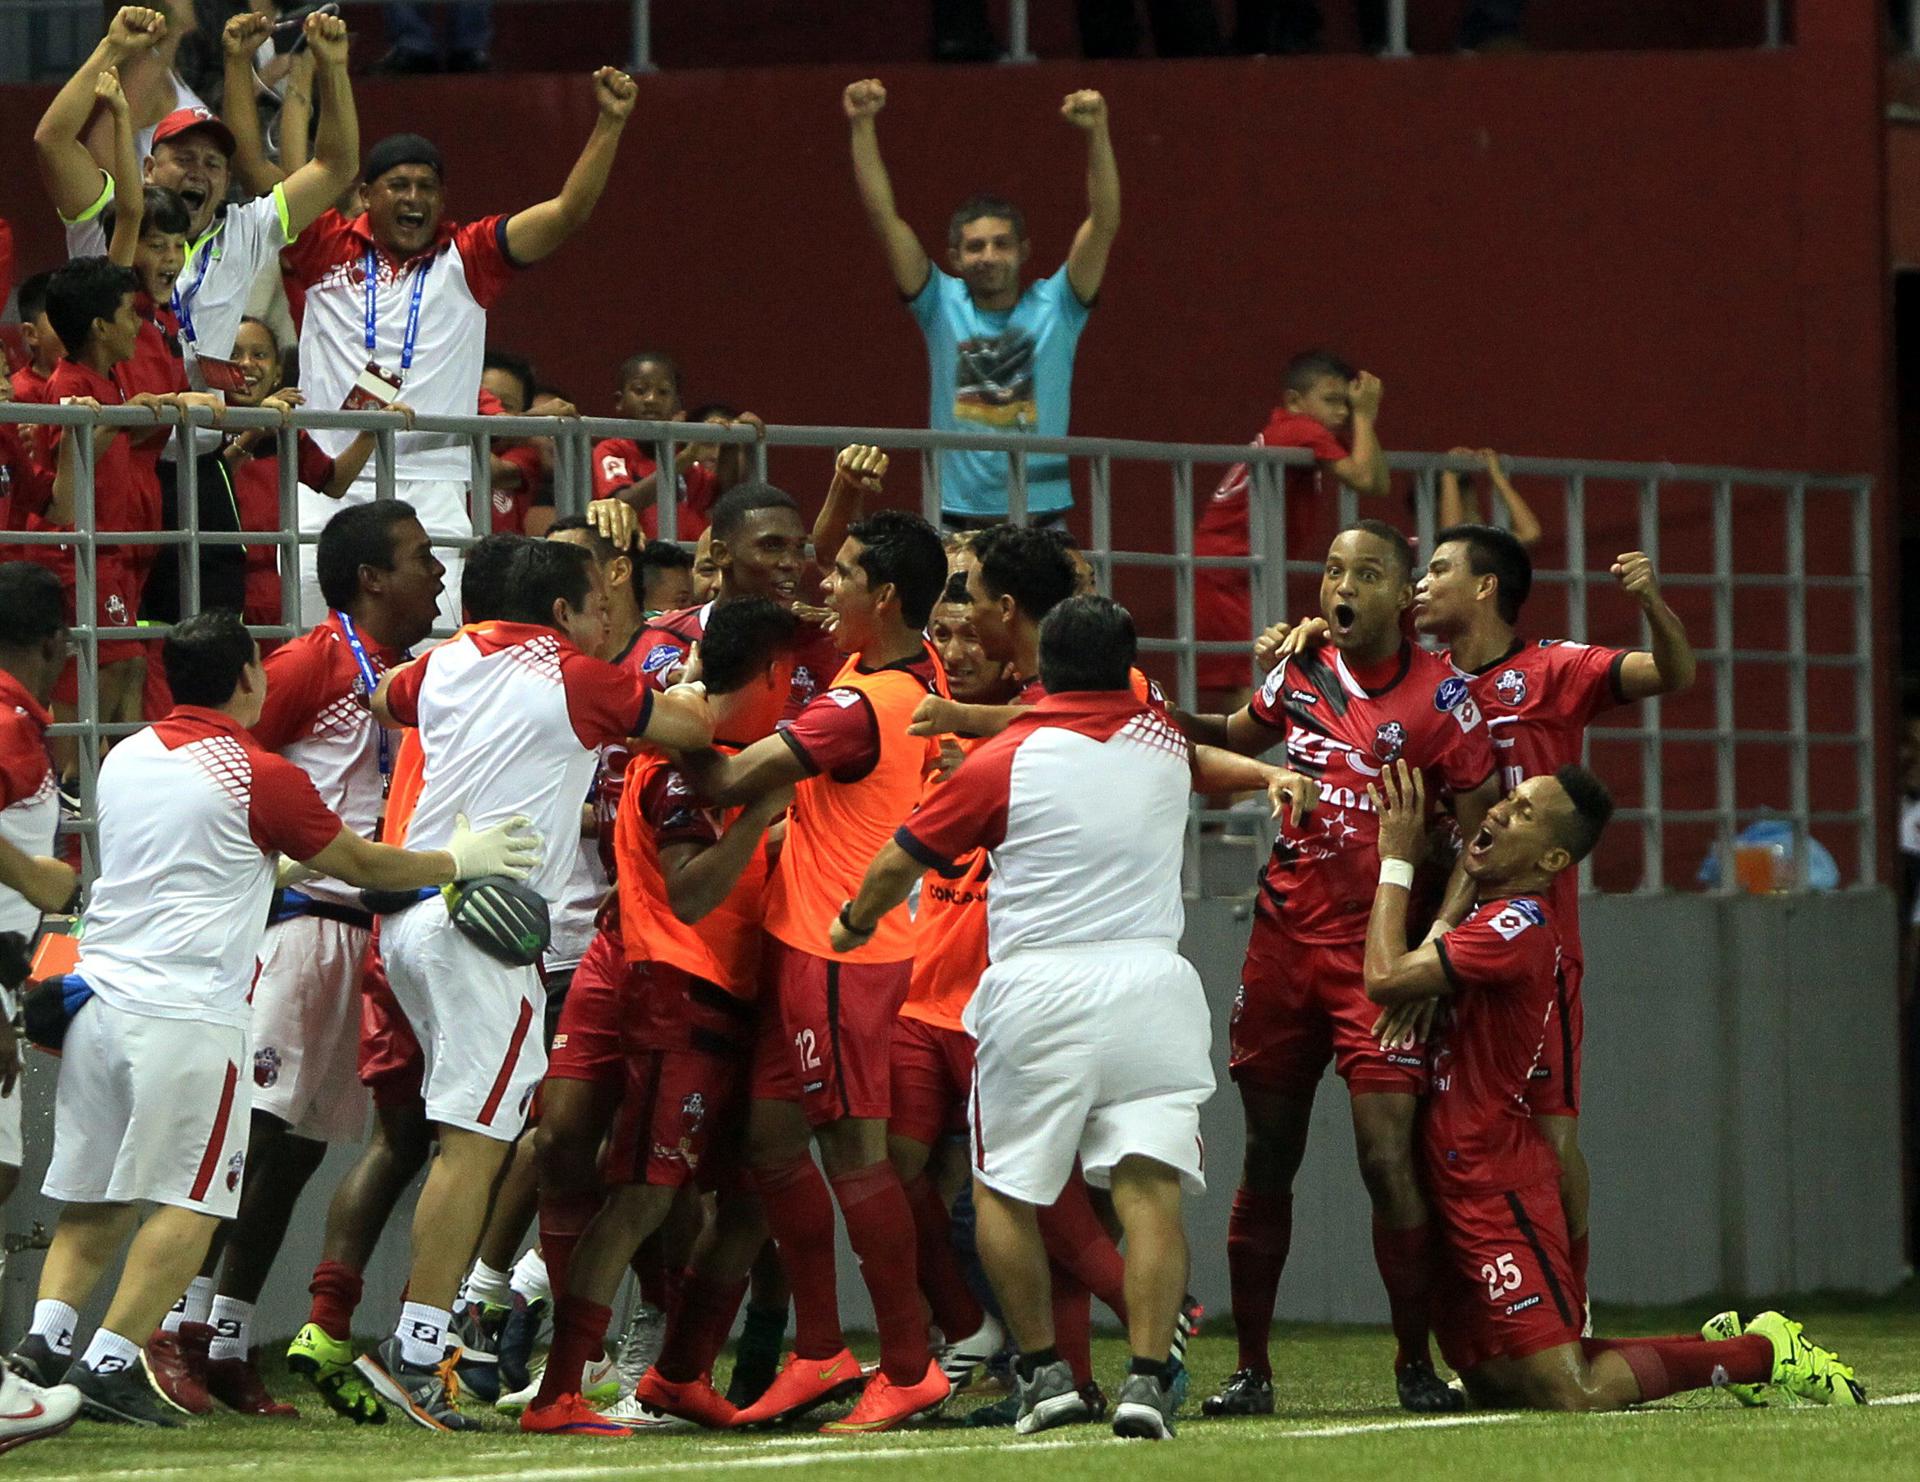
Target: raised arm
(538,231)
(857,473)
(1364,470)
(296,114)
(1393,975)
(699,878)
(906,258)
(1087,260)
(1669,665)
(1526,524)
(127,187)
(240,111)
(766,766)
(317,184)
(67,170)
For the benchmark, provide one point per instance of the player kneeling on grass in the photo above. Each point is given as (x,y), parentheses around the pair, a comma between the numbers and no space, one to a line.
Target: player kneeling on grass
(153,1103)
(1507,1312)
(1083,928)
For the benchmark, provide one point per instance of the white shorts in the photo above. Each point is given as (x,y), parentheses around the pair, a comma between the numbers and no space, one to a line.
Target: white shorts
(13,1147)
(479,1022)
(306,1028)
(442,507)
(1099,1052)
(150,1110)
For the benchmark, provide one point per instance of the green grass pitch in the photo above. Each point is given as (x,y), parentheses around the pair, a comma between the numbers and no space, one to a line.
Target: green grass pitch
(1337,1420)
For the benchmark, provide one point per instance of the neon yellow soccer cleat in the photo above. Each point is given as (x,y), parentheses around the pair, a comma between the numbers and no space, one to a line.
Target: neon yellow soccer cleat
(1804,1369)
(328,1365)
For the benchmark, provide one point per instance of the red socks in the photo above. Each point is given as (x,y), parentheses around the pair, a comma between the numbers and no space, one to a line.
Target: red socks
(1407,1273)
(880,1229)
(954,1305)
(1259,1235)
(1073,1323)
(1076,1240)
(800,1217)
(336,1292)
(563,1219)
(579,1328)
(1667,1366)
(697,1326)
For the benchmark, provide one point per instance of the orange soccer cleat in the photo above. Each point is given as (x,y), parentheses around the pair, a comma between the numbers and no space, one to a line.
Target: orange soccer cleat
(801,1384)
(885,1406)
(570,1416)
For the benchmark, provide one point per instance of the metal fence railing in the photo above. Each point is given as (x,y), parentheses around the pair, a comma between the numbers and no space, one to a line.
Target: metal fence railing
(1772,572)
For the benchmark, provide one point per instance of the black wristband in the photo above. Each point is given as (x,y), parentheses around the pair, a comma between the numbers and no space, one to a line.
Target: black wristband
(846,922)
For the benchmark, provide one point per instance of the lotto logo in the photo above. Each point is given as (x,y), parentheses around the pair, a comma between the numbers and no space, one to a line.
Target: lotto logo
(425,1332)
(110,1363)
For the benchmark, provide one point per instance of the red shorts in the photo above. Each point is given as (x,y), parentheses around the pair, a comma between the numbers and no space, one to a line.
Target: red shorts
(391,1064)
(116,605)
(932,1079)
(1302,1004)
(685,1065)
(1506,1287)
(1554,1090)
(831,1045)
(586,1042)
(1223,613)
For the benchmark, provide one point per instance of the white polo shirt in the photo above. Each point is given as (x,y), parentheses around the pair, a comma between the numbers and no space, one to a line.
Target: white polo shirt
(444,293)
(316,716)
(1082,803)
(191,812)
(512,718)
(244,241)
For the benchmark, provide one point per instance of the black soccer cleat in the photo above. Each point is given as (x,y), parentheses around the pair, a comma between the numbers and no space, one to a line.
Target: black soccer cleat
(34,1360)
(1245,1393)
(125,1397)
(1424,1392)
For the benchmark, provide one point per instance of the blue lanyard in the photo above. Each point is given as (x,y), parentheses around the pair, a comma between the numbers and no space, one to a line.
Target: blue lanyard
(182,303)
(372,682)
(372,267)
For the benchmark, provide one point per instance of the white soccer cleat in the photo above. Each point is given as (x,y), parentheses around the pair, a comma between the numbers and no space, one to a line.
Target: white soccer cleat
(958,1361)
(30,1413)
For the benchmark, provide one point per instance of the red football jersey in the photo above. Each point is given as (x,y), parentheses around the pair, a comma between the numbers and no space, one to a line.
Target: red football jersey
(1320,881)
(664,643)
(1476,1131)
(1538,700)
(620,461)
(1222,528)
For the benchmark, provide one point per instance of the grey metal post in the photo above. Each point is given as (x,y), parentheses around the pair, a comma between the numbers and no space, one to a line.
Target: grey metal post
(384,456)
(1864,789)
(1396,29)
(666,490)
(1016,488)
(930,487)
(1186,683)
(86,585)
(759,452)
(565,455)
(189,488)
(1776,24)
(1725,791)
(1797,677)
(1018,47)
(1652,840)
(286,555)
(641,50)
(1425,521)
(479,483)
(1100,508)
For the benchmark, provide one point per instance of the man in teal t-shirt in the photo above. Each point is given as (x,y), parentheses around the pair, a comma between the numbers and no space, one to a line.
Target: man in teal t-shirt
(999,357)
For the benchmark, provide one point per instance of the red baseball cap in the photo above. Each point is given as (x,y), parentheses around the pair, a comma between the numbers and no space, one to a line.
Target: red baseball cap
(183,120)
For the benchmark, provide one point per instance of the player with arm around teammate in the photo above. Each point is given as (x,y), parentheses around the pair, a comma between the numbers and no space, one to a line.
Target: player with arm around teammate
(1507,1310)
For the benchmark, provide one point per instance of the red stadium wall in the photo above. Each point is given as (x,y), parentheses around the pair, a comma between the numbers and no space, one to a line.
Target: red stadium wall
(1651,256)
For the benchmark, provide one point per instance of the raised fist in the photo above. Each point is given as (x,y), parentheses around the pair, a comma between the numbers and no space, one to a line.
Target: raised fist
(1364,394)
(136,27)
(864,98)
(106,88)
(327,39)
(241,37)
(862,465)
(1085,109)
(1634,571)
(614,93)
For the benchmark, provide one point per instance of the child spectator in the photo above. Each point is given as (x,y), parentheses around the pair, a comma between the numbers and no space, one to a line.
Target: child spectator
(625,469)
(253,463)
(522,466)
(1460,500)
(43,345)
(1330,409)
(666,578)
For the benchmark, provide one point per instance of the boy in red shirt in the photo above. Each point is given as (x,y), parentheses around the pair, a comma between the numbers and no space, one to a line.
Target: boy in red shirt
(624,469)
(1329,409)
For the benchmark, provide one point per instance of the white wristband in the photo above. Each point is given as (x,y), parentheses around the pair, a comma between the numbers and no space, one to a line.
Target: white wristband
(1397,872)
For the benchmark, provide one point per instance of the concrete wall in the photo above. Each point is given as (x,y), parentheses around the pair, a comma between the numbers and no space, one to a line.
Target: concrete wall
(1742,1093)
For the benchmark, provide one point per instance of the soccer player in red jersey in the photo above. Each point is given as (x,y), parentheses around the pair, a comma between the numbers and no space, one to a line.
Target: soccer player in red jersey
(822,1066)
(1508,1313)
(691,881)
(1331,410)
(1538,699)
(759,544)
(1376,699)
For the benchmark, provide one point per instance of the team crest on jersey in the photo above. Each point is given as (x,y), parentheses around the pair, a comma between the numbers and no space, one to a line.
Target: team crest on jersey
(1389,740)
(1450,694)
(803,680)
(693,1111)
(1511,687)
(657,659)
(266,1066)
(117,610)
(236,1165)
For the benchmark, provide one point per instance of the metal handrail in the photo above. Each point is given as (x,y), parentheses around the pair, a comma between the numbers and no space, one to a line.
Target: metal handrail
(1267,565)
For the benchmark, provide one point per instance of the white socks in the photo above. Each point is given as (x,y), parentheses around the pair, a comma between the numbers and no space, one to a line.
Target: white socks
(487,1286)
(55,1321)
(422,1332)
(530,1276)
(195,1303)
(109,1353)
(232,1328)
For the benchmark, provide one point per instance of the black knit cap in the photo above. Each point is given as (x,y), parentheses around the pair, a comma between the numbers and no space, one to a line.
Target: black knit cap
(402,149)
